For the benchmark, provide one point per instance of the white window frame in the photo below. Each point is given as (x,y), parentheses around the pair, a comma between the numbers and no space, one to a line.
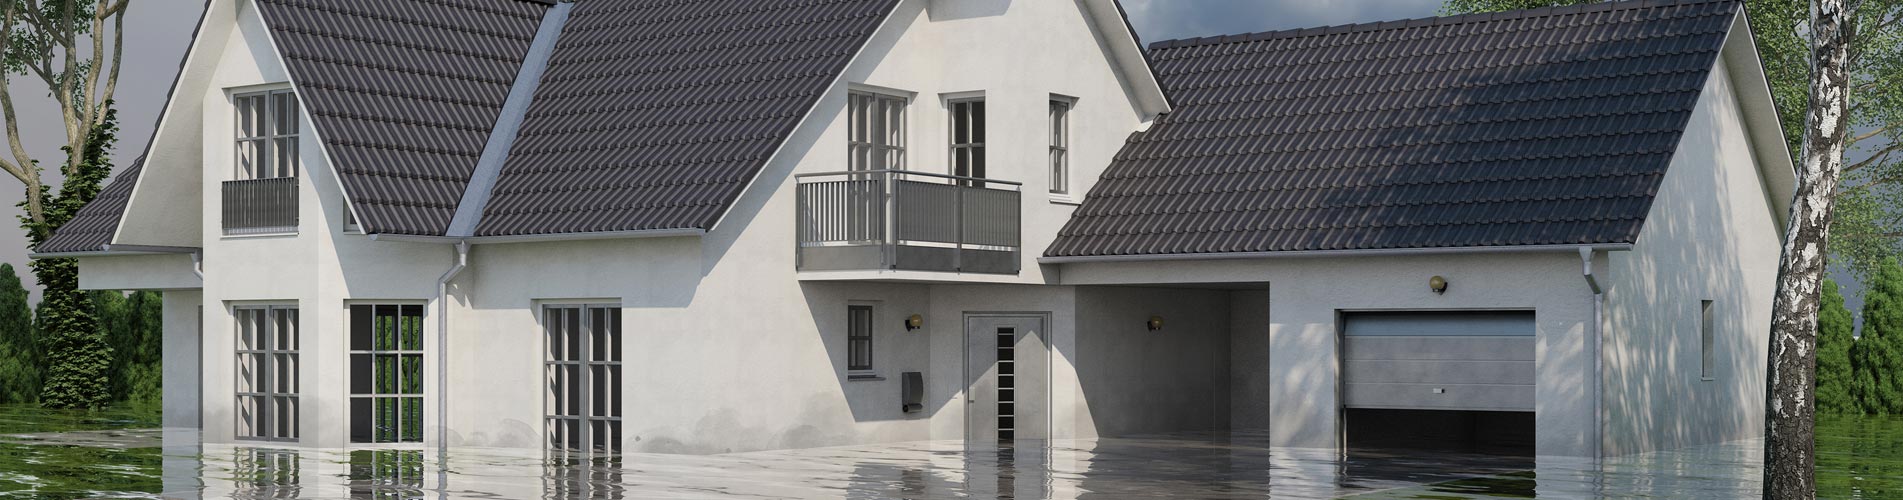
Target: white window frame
(271,138)
(585,415)
(398,352)
(976,131)
(1707,342)
(266,375)
(1060,147)
(894,109)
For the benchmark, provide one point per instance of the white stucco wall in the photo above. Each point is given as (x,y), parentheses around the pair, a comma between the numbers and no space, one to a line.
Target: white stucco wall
(1711,235)
(1299,363)
(728,347)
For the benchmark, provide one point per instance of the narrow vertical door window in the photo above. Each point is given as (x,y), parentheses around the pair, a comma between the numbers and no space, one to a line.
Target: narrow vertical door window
(267,372)
(386,373)
(1706,357)
(968,138)
(877,124)
(582,378)
(859,341)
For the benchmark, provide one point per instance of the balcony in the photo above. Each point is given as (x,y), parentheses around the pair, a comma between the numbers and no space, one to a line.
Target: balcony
(908,221)
(260,206)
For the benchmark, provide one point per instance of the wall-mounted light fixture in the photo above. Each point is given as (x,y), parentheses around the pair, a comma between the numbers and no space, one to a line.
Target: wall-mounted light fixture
(914,322)
(1437,284)
(1155,323)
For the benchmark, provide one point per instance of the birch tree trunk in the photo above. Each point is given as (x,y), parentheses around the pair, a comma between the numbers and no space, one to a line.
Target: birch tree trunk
(1790,445)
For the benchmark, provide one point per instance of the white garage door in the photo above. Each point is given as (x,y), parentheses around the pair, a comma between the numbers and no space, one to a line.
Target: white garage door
(1464,360)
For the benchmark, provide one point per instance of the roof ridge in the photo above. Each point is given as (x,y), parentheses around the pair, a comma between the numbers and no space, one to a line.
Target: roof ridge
(1422,21)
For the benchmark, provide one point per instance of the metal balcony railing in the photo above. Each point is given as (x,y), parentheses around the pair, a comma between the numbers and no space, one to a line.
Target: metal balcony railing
(903,220)
(260,206)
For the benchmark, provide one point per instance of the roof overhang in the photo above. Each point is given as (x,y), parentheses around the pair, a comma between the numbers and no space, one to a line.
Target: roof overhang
(540,238)
(1126,51)
(1769,145)
(111,250)
(1376,252)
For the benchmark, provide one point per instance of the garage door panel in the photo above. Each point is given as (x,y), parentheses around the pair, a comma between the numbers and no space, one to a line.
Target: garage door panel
(1438,372)
(1453,397)
(1438,348)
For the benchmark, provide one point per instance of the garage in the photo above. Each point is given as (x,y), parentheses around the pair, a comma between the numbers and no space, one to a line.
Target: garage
(1442,380)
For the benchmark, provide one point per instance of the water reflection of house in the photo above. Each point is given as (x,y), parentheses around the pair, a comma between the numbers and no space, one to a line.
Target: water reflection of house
(618,225)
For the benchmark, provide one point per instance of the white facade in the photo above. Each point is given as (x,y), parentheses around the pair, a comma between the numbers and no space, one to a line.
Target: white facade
(728,347)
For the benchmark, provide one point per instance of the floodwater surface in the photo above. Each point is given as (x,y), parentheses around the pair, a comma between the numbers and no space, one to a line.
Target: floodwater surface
(116,454)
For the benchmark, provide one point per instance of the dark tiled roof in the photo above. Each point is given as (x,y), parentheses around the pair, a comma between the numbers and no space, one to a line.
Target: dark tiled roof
(404,94)
(92,228)
(1547,126)
(656,114)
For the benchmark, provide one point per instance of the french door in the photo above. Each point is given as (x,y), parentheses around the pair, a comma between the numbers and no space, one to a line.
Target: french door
(582,372)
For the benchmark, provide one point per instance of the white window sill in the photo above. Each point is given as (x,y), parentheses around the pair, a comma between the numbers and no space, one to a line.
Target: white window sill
(1708,379)
(1065,199)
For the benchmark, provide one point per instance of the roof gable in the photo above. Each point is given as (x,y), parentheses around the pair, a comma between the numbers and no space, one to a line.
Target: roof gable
(1539,127)
(655,114)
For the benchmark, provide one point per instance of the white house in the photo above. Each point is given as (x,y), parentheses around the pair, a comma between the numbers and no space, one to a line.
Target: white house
(734,225)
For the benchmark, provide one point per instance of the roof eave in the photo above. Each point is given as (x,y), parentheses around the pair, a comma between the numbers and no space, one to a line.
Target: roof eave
(1373,252)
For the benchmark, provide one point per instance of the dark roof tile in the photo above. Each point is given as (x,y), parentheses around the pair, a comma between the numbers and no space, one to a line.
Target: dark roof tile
(1548,126)
(656,114)
(92,228)
(404,94)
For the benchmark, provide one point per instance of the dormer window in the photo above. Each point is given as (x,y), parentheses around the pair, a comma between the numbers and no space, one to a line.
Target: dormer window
(267,134)
(878,131)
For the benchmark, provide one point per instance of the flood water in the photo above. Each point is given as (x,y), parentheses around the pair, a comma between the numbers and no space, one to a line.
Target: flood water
(48,454)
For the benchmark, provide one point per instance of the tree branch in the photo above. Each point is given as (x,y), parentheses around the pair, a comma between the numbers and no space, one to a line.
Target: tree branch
(1880,156)
(118,54)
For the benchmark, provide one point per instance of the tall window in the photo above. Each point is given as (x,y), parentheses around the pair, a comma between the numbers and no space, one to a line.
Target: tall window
(968,137)
(1060,147)
(859,341)
(1706,358)
(267,372)
(583,378)
(386,373)
(878,131)
(267,134)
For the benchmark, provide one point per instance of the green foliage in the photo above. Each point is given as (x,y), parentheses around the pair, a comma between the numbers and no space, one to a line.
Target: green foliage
(133,326)
(19,349)
(78,359)
(1836,328)
(1877,358)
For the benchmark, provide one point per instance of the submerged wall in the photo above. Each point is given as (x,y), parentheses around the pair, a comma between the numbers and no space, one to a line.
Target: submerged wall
(1711,236)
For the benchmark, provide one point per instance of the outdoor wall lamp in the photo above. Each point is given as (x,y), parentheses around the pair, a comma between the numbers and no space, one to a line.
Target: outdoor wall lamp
(1155,323)
(914,322)
(1437,284)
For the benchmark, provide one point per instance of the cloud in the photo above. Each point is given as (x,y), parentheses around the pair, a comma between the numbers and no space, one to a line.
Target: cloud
(1171,19)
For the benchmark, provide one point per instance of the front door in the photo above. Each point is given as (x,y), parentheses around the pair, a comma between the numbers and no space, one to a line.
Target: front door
(1007,373)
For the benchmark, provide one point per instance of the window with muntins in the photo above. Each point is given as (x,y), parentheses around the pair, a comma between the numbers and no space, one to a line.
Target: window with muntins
(968,137)
(582,384)
(267,134)
(267,372)
(859,340)
(1060,147)
(878,131)
(386,373)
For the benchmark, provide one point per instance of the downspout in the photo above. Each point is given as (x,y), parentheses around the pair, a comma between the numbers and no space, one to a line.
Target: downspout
(442,354)
(1598,354)
(198,265)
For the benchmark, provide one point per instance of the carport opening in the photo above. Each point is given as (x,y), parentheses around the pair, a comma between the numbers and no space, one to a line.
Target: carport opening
(1453,431)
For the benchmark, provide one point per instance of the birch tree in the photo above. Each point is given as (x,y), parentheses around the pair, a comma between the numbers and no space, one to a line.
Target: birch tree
(1790,458)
